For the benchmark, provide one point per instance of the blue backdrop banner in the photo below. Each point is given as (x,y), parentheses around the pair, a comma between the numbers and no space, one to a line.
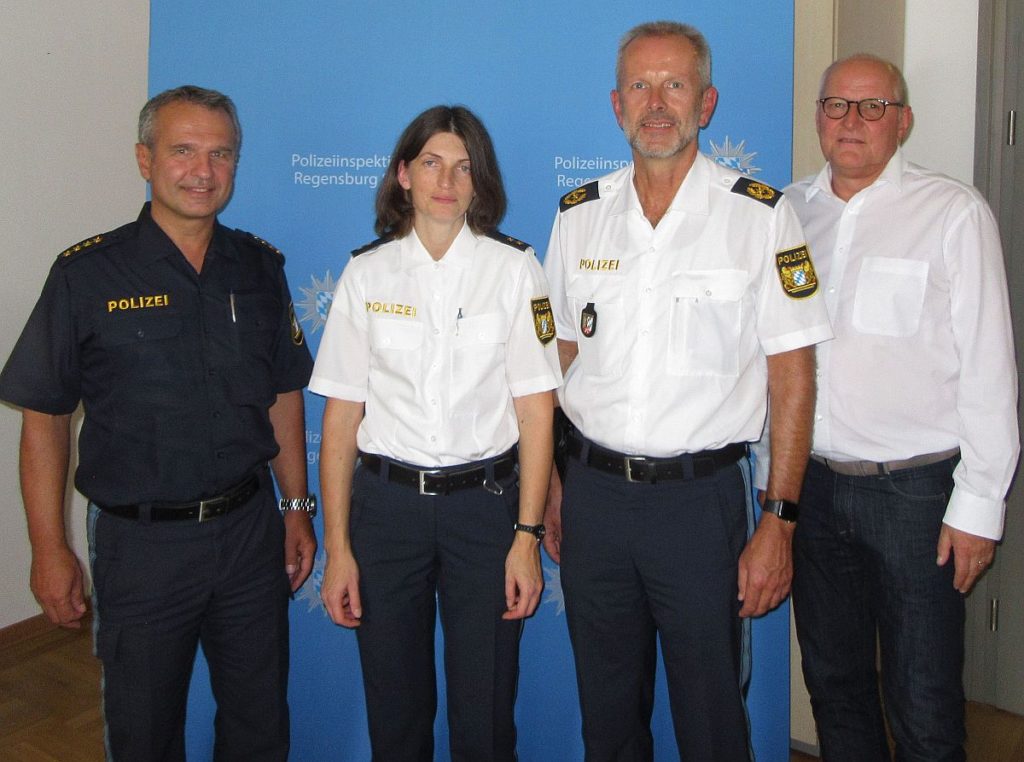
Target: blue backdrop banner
(323,91)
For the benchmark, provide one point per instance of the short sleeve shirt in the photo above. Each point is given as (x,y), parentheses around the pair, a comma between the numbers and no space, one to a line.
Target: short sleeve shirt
(674,322)
(438,349)
(176,370)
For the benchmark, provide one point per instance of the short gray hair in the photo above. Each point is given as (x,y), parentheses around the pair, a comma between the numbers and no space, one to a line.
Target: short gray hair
(899,83)
(199,96)
(669,29)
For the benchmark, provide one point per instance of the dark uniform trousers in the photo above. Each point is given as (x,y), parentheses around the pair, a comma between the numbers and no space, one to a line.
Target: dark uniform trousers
(647,561)
(416,553)
(162,587)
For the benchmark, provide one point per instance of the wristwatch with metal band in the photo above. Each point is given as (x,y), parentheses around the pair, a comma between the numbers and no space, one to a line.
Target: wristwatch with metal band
(306,504)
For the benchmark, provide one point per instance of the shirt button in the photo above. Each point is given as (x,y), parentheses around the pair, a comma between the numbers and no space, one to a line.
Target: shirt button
(437,331)
(818,417)
(433,439)
(140,333)
(433,402)
(647,290)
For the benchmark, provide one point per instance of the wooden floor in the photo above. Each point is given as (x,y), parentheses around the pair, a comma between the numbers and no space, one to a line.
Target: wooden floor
(49,695)
(992,736)
(49,703)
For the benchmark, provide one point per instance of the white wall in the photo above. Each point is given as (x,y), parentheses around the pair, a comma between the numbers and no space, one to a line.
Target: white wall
(940,65)
(72,81)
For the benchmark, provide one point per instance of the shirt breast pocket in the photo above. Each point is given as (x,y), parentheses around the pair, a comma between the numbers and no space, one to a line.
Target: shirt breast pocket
(705,323)
(138,330)
(478,359)
(392,341)
(600,317)
(256,318)
(890,296)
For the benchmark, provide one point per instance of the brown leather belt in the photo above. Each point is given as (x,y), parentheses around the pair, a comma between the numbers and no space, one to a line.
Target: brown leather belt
(200,510)
(872,468)
(639,468)
(442,481)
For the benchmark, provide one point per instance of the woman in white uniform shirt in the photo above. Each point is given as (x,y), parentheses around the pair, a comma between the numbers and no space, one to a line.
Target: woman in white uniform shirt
(437,358)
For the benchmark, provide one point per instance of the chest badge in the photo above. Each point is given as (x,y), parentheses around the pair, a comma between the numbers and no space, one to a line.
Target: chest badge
(588,320)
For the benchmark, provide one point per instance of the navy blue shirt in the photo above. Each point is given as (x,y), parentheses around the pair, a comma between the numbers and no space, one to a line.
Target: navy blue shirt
(176,370)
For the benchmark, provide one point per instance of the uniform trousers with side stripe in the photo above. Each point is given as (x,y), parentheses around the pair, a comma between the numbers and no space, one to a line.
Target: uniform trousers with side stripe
(643,562)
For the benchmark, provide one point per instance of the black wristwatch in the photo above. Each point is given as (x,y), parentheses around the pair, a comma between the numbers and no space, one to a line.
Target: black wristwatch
(537,530)
(784,509)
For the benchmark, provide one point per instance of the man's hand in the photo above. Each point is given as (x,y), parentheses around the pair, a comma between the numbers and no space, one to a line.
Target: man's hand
(553,518)
(523,581)
(299,547)
(340,589)
(971,555)
(56,582)
(766,566)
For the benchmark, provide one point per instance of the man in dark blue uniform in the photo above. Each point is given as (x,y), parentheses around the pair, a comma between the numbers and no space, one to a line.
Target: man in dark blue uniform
(178,337)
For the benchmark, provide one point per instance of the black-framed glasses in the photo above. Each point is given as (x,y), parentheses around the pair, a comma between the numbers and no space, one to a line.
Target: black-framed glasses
(870,109)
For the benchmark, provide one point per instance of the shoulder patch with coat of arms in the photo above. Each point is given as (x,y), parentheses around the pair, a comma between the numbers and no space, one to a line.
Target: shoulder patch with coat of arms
(543,319)
(796,272)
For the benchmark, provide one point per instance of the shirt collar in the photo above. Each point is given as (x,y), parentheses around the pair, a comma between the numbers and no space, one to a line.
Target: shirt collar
(155,244)
(691,195)
(459,254)
(891,175)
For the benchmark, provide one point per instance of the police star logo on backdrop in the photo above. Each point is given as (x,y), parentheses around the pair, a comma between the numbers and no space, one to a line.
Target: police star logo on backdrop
(733,156)
(316,301)
(309,593)
(553,589)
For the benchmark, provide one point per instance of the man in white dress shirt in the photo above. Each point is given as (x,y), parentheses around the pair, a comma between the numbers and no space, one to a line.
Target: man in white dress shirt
(915,430)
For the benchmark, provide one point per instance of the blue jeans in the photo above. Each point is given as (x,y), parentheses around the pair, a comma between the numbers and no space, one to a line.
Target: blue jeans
(865,575)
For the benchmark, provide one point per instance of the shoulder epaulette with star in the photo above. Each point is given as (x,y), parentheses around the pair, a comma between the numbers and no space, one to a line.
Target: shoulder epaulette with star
(373,244)
(262,243)
(93,243)
(578,196)
(766,194)
(508,240)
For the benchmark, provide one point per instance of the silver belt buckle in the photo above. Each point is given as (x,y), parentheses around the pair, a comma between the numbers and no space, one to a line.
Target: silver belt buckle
(202,511)
(628,461)
(423,483)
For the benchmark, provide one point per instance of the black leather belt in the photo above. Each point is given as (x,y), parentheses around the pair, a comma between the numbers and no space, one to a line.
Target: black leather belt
(638,468)
(201,510)
(441,481)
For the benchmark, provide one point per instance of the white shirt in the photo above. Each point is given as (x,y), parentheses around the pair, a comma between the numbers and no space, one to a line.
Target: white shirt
(438,350)
(686,311)
(923,361)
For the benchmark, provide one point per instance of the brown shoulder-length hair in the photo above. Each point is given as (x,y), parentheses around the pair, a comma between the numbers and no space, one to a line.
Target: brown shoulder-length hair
(393,205)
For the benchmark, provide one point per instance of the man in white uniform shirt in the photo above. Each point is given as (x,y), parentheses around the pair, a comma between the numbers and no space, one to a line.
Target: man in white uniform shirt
(684,297)
(915,432)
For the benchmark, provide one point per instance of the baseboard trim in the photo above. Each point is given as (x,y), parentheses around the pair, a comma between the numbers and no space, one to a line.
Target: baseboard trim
(805,748)
(27,628)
